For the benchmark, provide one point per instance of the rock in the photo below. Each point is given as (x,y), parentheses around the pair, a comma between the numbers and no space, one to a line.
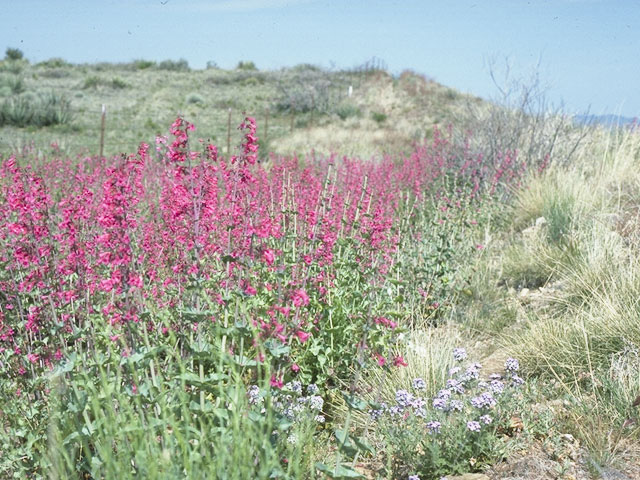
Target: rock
(524,293)
(609,473)
(540,221)
(567,437)
(533,230)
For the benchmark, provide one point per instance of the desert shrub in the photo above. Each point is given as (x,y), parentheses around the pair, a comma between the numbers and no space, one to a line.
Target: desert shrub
(91,82)
(347,110)
(13,54)
(55,73)
(174,65)
(118,83)
(15,83)
(54,63)
(194,98)
(306,91)
(378,117)
(14,67)
(95,81)
(246,65)
(39,111)
(141,64)
(521,119)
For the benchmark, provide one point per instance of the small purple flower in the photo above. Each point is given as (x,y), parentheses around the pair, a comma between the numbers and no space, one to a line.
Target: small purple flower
(254,395)
(472,372)
(455,386)
(418,402)
(511,365)
(295,386)
(395,410)
(403,398)
(486,419)
(375,414)
(420,413)
(439,403)
(419,384)
(316,402)
(495,376)
(516,380)
(473,426)
(312,389)
(444,394)
(459,354)
(496,386)
(483,384)
(454,370)
(413,477)
(434,426)
(456,405)
(484,400)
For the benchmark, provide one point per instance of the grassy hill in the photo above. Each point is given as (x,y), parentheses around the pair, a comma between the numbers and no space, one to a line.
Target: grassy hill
(308,108)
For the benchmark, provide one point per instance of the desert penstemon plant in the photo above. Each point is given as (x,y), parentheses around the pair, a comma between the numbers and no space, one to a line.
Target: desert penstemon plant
(175,254)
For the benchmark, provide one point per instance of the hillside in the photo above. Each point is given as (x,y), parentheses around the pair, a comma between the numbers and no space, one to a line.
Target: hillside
(308,108)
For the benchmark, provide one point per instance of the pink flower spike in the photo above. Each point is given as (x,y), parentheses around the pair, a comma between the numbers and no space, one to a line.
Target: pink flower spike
(300,298)
(399,362)
(269,256)
(295,367)
(276,382)
(302,336)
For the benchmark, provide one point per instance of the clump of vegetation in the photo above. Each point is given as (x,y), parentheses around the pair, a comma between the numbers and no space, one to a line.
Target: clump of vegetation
(13,54)
(347,110)
(467,425)
(36,110)
(54,63)
(194,98)
(141,64)
(246,65)
(14,83)
(174,65)
(95,81)
(379,117)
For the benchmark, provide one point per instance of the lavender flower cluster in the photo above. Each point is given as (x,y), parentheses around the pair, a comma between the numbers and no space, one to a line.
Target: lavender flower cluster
(464,392)
(290,401)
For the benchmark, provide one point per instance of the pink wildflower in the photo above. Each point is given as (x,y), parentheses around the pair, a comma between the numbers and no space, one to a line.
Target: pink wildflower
(300,298)
(399,362)
(303,336)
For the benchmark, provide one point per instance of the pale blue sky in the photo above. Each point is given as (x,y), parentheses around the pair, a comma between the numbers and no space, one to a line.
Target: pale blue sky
(588,50)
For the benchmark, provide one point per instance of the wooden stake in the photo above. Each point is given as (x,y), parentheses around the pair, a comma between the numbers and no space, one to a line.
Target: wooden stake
(229,135)
(102,125)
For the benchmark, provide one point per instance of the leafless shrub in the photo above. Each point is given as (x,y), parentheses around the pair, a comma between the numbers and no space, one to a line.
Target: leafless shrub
(522,119)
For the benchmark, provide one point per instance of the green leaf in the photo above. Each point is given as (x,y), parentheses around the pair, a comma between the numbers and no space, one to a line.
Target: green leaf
(344,443)
(354,402)
(341,471)
(277,349)
(65,366)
